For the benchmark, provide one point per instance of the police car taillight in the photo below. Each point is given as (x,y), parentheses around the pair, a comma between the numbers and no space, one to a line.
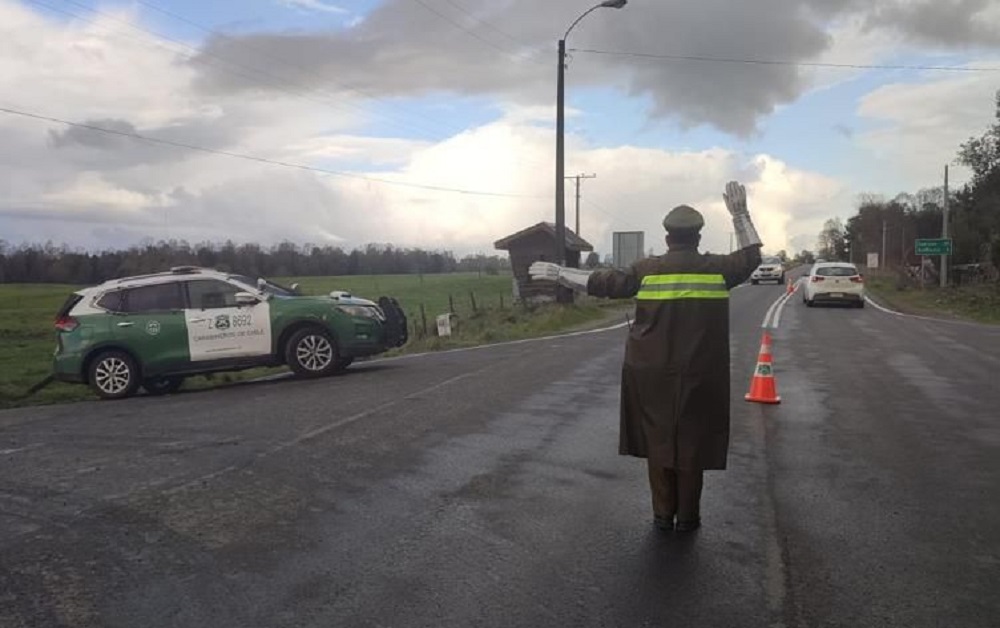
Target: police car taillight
(66,323)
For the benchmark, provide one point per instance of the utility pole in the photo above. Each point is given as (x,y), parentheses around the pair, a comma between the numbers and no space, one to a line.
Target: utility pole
(577,178)
(882,262)
(560,246)
(560,252)
(944,231)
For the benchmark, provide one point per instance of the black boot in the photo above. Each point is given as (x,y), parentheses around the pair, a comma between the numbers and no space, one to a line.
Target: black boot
(688,526)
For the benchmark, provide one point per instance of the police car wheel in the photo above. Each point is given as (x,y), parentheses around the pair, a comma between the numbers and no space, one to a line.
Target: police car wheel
(113,375)
(311,352)
(162,385)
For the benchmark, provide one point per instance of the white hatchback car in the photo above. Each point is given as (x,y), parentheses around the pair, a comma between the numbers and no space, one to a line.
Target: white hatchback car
(834,282)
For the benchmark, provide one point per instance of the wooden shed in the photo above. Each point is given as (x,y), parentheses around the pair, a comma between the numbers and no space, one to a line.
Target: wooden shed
(538,243)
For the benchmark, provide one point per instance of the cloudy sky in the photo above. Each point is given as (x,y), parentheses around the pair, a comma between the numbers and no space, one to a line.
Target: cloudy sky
(430,122)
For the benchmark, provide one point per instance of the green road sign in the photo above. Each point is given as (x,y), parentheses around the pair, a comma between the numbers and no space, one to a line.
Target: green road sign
(937,246)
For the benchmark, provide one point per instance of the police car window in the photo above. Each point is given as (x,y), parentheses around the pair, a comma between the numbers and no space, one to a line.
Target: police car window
(155,298)
(111,301)
(210,293)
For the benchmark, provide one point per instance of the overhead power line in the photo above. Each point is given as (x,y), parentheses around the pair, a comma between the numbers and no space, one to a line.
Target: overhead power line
(486,23)
(255,76)
(465,29)
(268,55)
(809,64)
(263,160)
(460,26)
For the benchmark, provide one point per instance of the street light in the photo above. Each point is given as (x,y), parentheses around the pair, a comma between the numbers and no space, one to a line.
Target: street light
(560,128)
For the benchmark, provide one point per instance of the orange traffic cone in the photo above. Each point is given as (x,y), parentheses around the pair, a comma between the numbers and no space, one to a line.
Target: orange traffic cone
(791,285)
(762,386)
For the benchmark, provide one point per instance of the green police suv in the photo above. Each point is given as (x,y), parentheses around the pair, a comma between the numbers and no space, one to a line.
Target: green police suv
(154,330)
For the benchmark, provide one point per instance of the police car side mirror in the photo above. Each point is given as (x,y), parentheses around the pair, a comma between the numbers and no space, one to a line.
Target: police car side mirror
(245,298)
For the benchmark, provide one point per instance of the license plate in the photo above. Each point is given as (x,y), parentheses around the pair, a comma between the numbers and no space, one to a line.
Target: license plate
(837,295)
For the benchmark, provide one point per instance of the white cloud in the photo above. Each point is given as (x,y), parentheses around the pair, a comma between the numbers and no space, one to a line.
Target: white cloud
(313,5)
(922,125)
(852,42)
(375,150)
(634,189)
(98,191)
(91,189)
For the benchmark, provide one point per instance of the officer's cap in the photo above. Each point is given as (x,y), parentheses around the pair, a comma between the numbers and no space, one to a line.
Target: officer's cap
(683,218)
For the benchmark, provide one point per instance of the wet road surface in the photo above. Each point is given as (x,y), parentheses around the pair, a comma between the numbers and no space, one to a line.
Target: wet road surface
(482,488)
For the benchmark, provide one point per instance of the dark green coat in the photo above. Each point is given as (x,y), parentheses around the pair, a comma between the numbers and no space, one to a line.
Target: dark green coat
(675,379)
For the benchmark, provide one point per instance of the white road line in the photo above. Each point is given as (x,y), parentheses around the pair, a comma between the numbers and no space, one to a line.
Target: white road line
(772,319)
(410,356)
(770,312)
(776,322)
(769,316)
(494,345)
(7,452)
(781,308)
(882,308)
(315,432)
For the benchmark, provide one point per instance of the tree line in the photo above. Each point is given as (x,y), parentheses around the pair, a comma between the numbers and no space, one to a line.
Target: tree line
(890,227)
(48,263)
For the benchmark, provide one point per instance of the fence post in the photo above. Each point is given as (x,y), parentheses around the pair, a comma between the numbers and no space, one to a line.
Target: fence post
(451,304)
(423,319)
(501,302)
(472,297)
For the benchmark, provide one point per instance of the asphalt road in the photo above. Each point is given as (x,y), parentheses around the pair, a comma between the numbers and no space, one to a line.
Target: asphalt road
(482,488)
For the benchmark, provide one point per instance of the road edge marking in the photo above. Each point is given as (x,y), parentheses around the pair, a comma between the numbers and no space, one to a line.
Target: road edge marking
(932,319)
(493,345)
(776,323)
(772,318)
(506,343)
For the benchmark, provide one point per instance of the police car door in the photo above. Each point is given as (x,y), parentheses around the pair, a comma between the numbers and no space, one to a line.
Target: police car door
(219,328)
(149,322)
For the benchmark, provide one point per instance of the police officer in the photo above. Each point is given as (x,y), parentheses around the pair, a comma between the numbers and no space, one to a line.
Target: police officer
(675,378)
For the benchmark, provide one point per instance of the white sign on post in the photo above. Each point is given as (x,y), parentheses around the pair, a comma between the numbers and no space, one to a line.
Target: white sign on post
(444,324)
(873,260)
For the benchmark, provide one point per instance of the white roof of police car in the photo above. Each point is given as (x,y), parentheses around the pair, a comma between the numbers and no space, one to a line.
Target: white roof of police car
(157,278)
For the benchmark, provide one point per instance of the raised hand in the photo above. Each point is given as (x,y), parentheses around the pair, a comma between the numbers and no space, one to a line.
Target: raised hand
(736,198)
(736,202)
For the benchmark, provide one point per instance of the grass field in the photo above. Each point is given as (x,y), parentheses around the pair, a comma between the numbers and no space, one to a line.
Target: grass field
(413,290)
(27,338)
(980,302)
